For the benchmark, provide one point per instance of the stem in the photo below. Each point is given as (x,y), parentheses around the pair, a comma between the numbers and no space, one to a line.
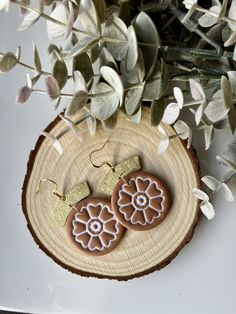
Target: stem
(223,18)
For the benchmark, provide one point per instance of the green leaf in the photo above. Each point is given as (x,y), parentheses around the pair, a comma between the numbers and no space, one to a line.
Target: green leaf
(37,62)
(101,9)
(88,17)
(83,45)
(157,110)
(115,28)
(132,52)
(60,73)
(83,64)
(106,102)
(114,80)
(232,118)
(147,33)
(110,123)
(8,62)
(133,99)
(52,86)
(138,73)
(78,102)
(29,20)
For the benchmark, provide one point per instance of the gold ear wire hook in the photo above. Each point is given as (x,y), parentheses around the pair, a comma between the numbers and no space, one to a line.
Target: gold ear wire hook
(105,162)
(113,169)
(61,197)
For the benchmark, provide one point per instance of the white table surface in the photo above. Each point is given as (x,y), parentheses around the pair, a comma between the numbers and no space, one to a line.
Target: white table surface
(201,280)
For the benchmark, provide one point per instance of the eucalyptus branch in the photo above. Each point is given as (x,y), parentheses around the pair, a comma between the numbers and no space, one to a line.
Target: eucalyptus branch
(223,18)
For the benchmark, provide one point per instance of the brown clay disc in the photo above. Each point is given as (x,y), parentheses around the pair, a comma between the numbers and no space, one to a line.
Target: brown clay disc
(93,228)
(140,201)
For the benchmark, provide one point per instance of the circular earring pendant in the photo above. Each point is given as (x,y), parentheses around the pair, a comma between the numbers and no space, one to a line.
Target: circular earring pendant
(140,201)
(93,228)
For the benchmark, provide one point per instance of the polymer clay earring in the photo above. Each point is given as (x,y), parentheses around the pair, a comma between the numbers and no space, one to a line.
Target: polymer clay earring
(140,201)
(90,223)
(93,228)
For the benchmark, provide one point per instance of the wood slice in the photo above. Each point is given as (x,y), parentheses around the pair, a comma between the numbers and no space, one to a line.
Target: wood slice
(139,253)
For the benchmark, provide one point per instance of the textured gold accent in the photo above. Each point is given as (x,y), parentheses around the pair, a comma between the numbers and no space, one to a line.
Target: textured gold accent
(108,183)
(63,208)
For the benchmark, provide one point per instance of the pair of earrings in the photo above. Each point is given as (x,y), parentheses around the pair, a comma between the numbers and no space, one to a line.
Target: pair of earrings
(139,201)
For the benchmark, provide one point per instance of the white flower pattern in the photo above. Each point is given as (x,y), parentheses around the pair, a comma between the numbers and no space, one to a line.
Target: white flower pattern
(140,201)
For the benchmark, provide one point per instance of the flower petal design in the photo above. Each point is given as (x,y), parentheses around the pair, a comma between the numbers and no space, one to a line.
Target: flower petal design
(95,243)
(82,216)
(153,190)
(83,239)
(111,226)
(124,198)
(78,227)
(127,211)
(105,214)
(94,211)
(142,185)
(156,203)
(130,187)
(151,214)
(107,238)
(138,217)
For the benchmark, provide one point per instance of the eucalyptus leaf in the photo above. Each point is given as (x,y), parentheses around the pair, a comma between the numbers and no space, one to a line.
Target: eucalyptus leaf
(78,102)
(200,194)
(92,125)
(23,94)
(110,123)
(207,209)
(106,102)
(60,73)
(100,6)
(106,58)
(29,19)
(37,62)
(147,33)
(114,80)
(133,99)
(53,88)
(83,64)
(138,73)
(211,182)
(132,51)
(70,22)
(53,141)
(7,62)
(232,15)
(208,134)
(115,28)
(157,110)
(136,117)
(83,45)
(88,17)
(55,30)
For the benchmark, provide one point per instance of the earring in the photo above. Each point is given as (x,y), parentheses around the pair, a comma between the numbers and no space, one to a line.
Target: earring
(139,199)
(90,223)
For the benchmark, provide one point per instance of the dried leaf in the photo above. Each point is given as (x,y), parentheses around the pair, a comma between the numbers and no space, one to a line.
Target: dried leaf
(232,80)
(53,141)
(232,119)
(60,73)
(116,28)
(211,182)
(163,146)
(83,64)
(171,113)
(78,102)
(60,13)
(7,62)
(200,195)
(232,15)
(133,99)
(106,102)
(88,17)
(37,62)
(207,209)
(92,125)
(83,45)
(227,193)
(207,20)
(208,134)
(226,92)
(136,117)
(196,89)
(70,22)
(29,19)
(227,163)
(147,33)
(114,80)
(53,88)
(23,94)
(157,110)
(110,123)
(179,97)
(216,109)
(74,128)
(132,51)
(101,9)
